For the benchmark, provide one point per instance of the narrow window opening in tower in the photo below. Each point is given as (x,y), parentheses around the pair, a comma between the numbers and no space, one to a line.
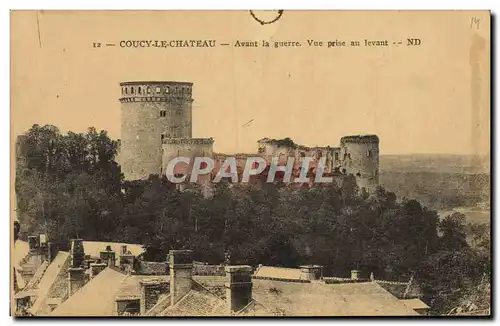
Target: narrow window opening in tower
(158,90)
(139,90)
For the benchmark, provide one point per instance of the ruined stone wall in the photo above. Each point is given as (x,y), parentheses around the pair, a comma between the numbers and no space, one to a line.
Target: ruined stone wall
(151,111)
(185,147)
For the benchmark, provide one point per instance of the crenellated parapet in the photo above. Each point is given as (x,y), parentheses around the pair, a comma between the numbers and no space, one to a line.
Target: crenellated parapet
(360,139)
(188,141)
(155,90)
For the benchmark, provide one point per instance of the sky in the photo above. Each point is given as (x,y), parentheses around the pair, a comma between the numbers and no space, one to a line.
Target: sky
(433,98)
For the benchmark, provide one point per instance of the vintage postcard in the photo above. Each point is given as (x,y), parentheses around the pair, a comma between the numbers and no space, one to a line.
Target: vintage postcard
(250,163)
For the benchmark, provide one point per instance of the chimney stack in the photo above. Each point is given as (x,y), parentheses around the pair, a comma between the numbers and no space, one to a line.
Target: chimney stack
(96,268)
(108,256)
(181,270)
(52,250)
(238,287)
(76,279)
(355,274)
(33,243)
(311,272)
(77,253)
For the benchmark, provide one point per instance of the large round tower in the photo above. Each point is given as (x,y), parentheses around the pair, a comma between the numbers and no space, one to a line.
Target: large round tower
(359,156)
(151,111)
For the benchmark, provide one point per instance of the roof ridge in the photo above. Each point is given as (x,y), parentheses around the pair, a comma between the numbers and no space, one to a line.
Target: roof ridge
(206,289)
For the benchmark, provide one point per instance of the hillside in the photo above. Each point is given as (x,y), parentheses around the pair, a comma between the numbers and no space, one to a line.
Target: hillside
(442,182)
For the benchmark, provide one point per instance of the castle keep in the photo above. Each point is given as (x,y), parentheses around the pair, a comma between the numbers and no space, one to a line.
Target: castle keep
(156,124)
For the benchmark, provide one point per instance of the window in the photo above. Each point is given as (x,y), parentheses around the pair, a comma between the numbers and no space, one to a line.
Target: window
(149,90)
(139,89)
(162,137)
(336,156)
(167,89)
(163,113)
(158,89)
(126,91)
(131,90)
(368,153)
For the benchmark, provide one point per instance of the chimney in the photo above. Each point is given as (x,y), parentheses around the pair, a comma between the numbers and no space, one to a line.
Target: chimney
(355,274)
(33,243)
(96,268)
(238,287)
(150,292)
(127,262)
(76,279)
(181,270)
(77,253)
(52,250)
(311,272)
(108,256)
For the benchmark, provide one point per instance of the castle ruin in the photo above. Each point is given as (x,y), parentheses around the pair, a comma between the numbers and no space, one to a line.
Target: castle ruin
(156,126)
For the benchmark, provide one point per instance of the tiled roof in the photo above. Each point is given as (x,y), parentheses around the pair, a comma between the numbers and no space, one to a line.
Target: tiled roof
(317,299)
(93,248)
(60,287)
(151,268)
(254,308)
(197,302)
(49,278)
(96,298)
(214,284)
(162,304)
(278,272)
(130,288)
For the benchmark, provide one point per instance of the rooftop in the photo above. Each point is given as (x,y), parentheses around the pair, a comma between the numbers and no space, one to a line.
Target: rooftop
(96,298)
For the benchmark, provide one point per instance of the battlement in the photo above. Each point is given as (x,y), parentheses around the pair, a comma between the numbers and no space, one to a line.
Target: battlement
(155,91)
(188,141)
(359,139)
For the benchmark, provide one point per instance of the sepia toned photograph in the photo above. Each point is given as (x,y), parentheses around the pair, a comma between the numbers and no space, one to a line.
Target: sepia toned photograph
(250,163)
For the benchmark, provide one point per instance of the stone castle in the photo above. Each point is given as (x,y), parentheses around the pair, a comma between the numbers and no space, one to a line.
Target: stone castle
(156,126)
